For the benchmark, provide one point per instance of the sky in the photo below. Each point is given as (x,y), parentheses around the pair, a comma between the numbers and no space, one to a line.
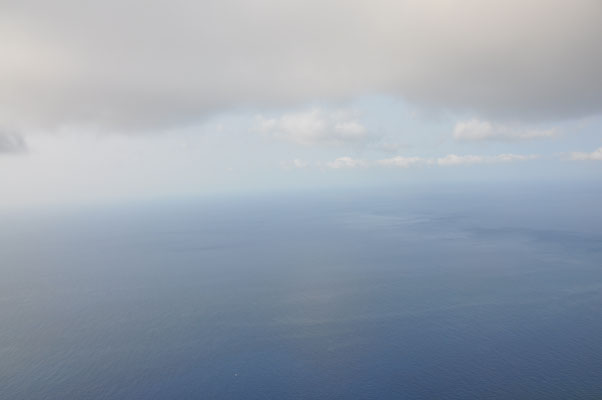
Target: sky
(127,99)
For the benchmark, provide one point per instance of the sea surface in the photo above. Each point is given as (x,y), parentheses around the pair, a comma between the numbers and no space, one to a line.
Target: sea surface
(460,293)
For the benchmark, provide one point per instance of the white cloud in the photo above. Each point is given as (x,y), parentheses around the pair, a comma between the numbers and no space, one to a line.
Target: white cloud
(133,64)
(300,163)
(314,127)
(477,130)
(403,162)
(514,157)
(346,162)
(595,155)
(453,159)
(444,161)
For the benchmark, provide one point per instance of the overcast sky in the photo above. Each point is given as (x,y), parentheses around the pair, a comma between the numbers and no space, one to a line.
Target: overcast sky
(119,99)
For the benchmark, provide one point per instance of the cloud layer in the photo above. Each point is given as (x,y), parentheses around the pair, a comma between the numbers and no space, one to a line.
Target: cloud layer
(133,64)
(477,130)
(314,127)
(449,160)
(595,155)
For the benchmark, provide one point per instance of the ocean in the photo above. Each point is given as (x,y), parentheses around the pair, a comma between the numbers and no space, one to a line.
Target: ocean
(491,292)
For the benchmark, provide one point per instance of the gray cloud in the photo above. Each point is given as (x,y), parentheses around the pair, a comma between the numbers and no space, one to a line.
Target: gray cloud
(139,64)
(11,142)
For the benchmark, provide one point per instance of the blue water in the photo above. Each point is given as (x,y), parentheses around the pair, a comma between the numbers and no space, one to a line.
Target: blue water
(462,293)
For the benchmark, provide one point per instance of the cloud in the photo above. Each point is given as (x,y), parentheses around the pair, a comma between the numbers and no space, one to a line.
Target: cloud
(449,160)
(346,162)
(453,159)
(296,163)
(12,142)
(300,163)
(595,155)
(477,130)
(314,127)
(129,64)
(403,162)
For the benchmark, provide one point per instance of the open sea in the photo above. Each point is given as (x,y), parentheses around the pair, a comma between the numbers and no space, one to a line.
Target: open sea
(462,293)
